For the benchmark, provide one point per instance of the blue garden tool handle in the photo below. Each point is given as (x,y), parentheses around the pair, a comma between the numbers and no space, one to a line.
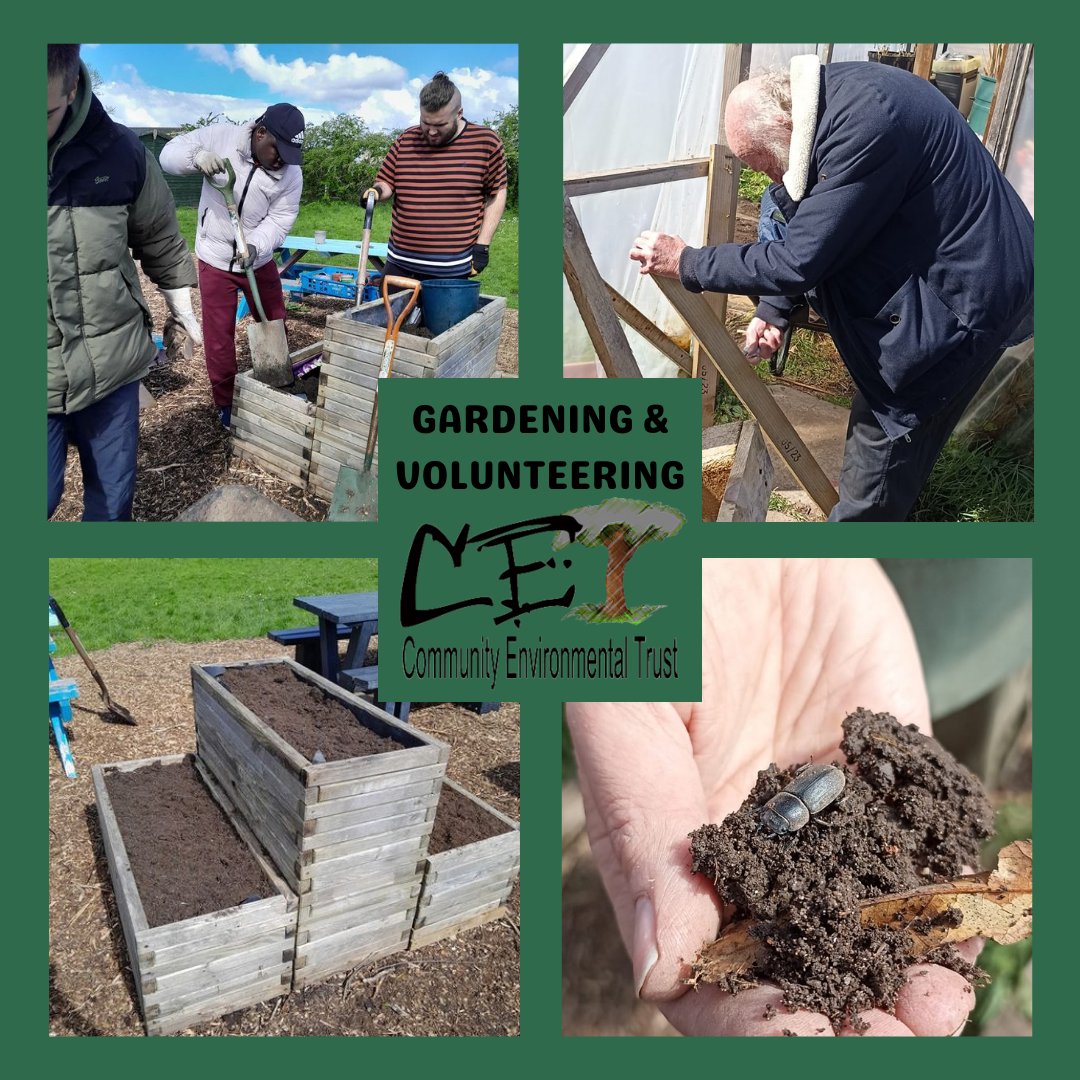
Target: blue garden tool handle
(229,196)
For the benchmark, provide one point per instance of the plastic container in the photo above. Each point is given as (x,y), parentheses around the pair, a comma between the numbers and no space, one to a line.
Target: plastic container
(445,303)
(955,74)
(980,106)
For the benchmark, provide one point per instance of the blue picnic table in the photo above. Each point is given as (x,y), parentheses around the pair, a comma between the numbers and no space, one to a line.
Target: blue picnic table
(296,248)
(358,611)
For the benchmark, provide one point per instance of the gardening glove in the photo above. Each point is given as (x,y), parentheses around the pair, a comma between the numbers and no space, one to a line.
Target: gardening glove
(209,163)
(479,257)
(247,261)
(179,303)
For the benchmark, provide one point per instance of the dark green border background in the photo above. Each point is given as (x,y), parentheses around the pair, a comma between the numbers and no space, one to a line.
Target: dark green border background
(540,30)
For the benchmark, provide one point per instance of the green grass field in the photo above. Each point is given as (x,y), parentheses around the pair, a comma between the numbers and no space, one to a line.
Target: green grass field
(343,221)
(113,600)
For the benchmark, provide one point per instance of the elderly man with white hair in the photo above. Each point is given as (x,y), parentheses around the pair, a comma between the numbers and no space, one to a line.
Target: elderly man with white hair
(902,233)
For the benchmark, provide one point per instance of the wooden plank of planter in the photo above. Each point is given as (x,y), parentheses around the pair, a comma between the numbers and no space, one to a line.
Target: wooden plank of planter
(388,875)
(392,761)
(264,418)
(339,798)
(318,966)
(359,854)
(751,391)
(366,806)
(469,893)
(345,350)
(206,965)
(454,876)
(363,822)
(361,838)
(427,935)
(506,843)
(376,916)
(405,892)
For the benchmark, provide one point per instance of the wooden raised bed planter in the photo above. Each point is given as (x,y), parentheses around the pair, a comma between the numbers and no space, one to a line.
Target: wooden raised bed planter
(208,965)
(351,360)
(273,429)
(467,886)
(349,836)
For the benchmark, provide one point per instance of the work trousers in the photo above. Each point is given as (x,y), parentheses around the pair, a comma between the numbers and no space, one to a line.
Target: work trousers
(218,291)
(106,435)
(881,478)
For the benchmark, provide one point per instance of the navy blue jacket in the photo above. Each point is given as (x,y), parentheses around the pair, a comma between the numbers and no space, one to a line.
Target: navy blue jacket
(909,240)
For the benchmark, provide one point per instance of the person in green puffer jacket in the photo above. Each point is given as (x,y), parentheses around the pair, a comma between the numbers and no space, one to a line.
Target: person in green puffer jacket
(108,205)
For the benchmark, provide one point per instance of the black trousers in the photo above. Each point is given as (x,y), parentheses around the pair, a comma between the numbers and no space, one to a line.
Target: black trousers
(881,478)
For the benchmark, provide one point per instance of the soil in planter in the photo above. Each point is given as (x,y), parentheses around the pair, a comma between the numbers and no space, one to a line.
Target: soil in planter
(910,815)
(186,857)
(306,717)
(460,821)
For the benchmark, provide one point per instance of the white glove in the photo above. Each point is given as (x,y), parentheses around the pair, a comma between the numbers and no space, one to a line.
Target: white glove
(209,163)
(179,301)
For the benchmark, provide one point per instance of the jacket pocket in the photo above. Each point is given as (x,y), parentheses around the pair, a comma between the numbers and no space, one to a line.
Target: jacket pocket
(912,333)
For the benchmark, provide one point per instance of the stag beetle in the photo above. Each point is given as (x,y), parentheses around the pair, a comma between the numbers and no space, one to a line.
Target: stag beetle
(811,789)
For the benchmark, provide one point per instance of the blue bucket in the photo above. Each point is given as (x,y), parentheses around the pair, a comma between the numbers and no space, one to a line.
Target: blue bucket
(447,302)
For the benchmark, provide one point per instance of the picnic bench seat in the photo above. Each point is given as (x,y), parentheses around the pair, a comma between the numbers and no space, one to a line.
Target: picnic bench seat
(366,680)
(305,639)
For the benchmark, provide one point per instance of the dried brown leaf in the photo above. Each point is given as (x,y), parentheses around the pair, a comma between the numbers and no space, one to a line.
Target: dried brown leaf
(995,904)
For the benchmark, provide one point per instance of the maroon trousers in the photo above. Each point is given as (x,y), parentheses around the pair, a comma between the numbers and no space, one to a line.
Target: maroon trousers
(217,294)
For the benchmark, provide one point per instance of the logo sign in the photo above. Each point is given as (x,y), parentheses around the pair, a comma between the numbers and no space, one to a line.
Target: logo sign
(542,550)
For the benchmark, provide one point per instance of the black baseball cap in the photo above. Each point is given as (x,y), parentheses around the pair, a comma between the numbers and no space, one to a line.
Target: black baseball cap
(286,123)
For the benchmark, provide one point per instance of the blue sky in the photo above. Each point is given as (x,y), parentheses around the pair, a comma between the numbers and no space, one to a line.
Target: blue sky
(168,85)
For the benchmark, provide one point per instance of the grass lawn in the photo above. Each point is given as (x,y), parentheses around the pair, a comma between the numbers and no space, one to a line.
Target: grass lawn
(344,221)
(113,600)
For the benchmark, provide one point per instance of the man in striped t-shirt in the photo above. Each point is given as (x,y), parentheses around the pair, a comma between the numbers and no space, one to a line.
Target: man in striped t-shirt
(447,177)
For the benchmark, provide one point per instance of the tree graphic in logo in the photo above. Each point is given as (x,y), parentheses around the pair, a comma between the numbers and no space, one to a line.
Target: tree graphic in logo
(622,526)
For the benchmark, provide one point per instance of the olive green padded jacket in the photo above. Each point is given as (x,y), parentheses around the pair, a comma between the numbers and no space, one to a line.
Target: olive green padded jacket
(108,205)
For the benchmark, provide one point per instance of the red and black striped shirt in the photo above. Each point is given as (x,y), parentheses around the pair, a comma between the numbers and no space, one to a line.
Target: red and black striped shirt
(439,197)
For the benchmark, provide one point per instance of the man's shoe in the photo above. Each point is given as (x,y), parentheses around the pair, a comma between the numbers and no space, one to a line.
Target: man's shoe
(224,413)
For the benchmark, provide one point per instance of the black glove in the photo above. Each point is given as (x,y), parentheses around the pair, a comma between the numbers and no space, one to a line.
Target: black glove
(248,260)
(479,257)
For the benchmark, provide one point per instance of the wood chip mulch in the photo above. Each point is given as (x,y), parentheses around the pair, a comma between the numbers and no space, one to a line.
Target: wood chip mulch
(183,451)
(468,985)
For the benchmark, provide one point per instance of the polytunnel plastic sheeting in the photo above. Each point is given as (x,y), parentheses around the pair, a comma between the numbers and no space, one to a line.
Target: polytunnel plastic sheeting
(1003,410)
(643,105)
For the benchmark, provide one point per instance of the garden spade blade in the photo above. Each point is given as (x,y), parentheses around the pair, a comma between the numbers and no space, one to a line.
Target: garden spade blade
(356,496)
(114,710)
(269,347)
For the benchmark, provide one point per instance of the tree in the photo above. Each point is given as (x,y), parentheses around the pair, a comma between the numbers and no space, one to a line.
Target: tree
(622,526)
(505,124)
(342,156)
(205,121)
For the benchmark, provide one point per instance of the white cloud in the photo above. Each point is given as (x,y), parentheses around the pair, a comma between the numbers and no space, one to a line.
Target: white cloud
(483,94)
(374,88)
(216,54)
(135,103)
(343,78)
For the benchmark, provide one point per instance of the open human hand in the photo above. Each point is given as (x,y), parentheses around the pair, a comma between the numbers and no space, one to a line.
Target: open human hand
(789,648)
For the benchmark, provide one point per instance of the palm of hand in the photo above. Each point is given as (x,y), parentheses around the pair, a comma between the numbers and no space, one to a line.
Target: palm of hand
(789,649)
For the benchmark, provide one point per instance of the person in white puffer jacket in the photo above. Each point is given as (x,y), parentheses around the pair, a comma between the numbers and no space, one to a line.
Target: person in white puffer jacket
(266,155)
